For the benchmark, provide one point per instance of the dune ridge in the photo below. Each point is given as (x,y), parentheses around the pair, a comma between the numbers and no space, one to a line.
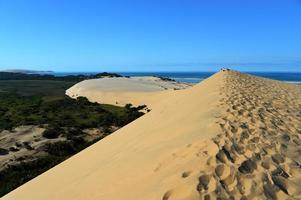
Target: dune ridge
(259,146)
(233,136)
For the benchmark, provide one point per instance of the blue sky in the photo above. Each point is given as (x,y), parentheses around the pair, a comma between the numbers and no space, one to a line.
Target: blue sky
(153,35)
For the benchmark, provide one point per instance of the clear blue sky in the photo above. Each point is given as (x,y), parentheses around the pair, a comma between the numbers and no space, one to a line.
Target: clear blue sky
(150,35)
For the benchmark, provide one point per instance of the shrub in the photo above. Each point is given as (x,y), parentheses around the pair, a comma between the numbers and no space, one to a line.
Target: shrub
(3,151)
(28,146)
(71,133)
(52,133)
(82,100)
(128,106)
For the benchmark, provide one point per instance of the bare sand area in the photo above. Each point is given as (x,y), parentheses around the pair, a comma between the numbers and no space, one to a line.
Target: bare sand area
(122,90)
(233,136)
(20,142)
(26,143)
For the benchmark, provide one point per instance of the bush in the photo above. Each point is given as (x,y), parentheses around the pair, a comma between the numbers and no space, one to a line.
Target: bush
(52,133)
(72,133)
(128,106)
(83,101)
(3,151)
(28,146)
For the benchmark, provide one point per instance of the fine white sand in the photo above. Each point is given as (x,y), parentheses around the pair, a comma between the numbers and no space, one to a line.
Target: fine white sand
(233,136)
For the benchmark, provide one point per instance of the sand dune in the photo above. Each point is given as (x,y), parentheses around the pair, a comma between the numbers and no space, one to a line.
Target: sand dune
(134,90)
(233,136)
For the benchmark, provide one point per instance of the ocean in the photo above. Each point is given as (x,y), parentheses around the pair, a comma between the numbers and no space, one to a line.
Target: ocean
(196,77)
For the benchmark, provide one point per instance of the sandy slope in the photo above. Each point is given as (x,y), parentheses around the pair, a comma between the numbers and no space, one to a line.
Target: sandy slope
(232,135)
(142,160)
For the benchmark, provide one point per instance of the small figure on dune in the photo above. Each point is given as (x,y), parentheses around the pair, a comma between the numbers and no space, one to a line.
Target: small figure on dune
(225,69)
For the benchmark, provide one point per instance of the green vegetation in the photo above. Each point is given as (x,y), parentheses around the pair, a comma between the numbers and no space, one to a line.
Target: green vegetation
(165,78)
(18,110)
(52,133)
(15,175)
(106,74)
(76,78)
(51,88)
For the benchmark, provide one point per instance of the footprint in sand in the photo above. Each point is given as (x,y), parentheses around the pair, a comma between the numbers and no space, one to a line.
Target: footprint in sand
(259,143)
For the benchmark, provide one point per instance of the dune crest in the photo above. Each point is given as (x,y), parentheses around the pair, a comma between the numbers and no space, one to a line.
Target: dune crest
(233,136)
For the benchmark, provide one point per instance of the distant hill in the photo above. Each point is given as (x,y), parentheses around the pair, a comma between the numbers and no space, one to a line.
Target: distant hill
(24,71)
